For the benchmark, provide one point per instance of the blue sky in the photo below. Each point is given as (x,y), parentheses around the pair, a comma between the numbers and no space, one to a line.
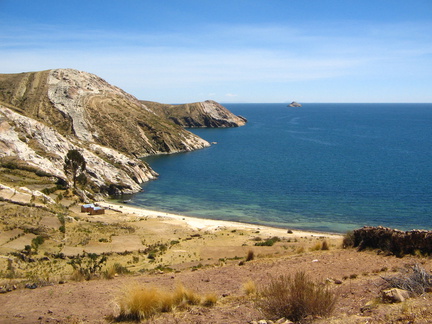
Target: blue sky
(230,51)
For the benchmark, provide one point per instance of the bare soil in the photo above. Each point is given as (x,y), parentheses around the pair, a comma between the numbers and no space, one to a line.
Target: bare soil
(205,256)
(95,301)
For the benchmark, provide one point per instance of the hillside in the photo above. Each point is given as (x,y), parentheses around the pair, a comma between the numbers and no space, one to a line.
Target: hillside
(45,114)
(199,114)
(84,106)
(45,275)
(62,264)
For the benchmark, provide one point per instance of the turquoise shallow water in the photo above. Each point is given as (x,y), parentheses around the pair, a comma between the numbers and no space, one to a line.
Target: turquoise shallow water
(326,167)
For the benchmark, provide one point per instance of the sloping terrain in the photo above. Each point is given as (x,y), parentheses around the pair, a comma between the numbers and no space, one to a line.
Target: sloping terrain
(48,250)
(84,106)
(96,301)
(199,114)
(43,115)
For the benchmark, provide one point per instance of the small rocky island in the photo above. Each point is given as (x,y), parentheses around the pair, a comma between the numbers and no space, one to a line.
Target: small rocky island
(294,104)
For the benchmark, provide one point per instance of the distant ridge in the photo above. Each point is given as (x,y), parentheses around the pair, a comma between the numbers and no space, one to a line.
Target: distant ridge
(199,114)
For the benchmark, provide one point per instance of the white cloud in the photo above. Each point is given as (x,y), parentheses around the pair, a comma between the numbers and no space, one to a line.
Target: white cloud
(221,58)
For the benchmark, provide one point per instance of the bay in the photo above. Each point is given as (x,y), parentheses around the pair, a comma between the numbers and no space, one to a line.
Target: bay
(325,167)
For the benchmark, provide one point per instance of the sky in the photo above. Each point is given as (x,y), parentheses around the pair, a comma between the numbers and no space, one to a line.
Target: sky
(245,51)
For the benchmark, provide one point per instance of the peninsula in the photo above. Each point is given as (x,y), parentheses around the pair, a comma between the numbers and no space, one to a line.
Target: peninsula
(46,114)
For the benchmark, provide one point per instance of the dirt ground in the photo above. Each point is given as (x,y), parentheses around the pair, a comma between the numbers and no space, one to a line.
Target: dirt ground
(95,301)
(206,256)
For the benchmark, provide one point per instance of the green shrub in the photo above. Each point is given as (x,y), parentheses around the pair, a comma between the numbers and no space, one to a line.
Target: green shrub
(348,240)
(268,242)
(87,266)
(38,240)
(250,255)
(115,269)
(296,298)
(325,246)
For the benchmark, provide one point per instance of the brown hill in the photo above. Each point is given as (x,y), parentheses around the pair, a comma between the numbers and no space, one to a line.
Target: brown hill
(199,114)
(45,114)
(85,106)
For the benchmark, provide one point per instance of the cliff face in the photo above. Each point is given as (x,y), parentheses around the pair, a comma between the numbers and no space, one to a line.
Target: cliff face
(44,148)
(84,106)
(199,114)
(45,114)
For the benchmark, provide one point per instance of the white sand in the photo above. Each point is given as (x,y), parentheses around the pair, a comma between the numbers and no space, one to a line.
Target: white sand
(209,224)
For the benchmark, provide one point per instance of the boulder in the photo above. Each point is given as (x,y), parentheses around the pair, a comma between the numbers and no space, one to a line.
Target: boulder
(395,295)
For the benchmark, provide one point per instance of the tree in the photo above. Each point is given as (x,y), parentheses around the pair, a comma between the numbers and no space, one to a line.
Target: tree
(75,165)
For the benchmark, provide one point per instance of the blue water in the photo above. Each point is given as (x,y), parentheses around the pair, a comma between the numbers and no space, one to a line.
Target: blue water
(325,167)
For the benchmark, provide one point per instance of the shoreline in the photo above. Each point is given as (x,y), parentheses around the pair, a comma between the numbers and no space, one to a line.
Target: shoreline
(200,224)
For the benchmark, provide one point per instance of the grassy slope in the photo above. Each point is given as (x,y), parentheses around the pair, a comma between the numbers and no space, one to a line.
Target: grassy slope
(120,123)
(158,250)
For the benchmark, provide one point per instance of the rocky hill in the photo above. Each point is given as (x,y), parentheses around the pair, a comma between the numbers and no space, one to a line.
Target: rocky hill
(45,114)
(199,114)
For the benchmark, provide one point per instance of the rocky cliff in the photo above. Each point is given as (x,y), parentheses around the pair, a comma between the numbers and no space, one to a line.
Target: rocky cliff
(45,114)
(86,107)
(199,114)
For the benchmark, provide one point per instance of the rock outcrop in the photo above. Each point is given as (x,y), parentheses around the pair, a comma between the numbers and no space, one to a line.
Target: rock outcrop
(199,114)
(294,104)
(82,105)
(394,295)
(45,114)
(43,148)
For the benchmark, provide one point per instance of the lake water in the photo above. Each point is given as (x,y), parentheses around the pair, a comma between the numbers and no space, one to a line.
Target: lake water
(325,167)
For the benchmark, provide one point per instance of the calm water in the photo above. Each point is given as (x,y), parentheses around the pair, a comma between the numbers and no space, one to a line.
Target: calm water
(329,167)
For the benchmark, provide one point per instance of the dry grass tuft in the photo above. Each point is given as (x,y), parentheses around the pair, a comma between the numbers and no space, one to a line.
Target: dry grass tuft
(300,249)
(185,296)
(296,298)
(138,302)
(417,282)
(315,247)
(210,300)
(249,287)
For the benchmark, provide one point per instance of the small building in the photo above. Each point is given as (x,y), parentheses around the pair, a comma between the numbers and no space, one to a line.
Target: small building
(87,208)
(97,211)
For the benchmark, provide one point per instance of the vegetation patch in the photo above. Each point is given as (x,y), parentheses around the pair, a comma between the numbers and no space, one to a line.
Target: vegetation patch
(296,297)
(416,280)
(268,242)
(140,302)
(87,266)
(391,241)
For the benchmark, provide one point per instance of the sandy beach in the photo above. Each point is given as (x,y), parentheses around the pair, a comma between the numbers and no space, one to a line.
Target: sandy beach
(203,224)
